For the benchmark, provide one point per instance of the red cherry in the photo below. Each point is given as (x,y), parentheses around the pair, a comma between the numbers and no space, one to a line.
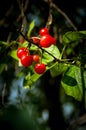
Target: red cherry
(22,51)
(43,31)
(40,68)
(36,58)
(26,60)
(46,41)
(54,40)
(36,40)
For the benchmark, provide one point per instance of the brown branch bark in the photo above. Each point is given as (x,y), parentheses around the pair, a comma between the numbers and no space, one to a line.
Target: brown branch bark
(23,7)
(62,13)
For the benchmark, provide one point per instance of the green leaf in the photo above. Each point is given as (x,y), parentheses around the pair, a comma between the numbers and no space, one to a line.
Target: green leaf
(75,36)
(34,48)
(13,54)
(46,58)
(82,53)
(72,82)
(2,67)
(30,80)
(57,69)
(83,32)
(31,26)
(54,51)
(4,43)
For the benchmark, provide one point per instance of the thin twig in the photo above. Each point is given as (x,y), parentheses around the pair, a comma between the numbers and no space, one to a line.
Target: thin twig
(2,21)
(63,14)
(49,20)
(3,93)
(23,6)
(22,15)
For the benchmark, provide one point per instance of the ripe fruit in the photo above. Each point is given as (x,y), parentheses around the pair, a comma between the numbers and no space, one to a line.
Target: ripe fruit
(36,40)
(36,58)
(53,41)
(46,41)
(26,60)
(22,51)
(43,31)
(40,68)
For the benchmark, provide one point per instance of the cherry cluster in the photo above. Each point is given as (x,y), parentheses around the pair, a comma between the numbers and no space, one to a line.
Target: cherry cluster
(26,59)
(45,40)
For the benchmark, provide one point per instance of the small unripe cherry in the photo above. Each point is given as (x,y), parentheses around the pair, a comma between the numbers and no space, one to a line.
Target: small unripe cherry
(40,68)
(43,31)
(36,58)
(22,51)
(26,60)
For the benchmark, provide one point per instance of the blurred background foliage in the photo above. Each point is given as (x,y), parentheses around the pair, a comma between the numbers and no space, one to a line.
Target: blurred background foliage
(44,106)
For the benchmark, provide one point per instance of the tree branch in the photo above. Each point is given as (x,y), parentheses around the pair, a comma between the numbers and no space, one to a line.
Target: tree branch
(62,13)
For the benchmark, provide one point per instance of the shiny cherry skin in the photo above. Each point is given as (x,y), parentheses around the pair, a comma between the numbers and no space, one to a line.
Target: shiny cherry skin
(43,31)
(36,58)
(22,51)
(40,68)
(46,41)
(26,60)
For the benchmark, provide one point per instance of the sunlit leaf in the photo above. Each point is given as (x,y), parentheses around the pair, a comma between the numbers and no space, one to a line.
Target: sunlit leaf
(13,54)
(72,82)
(54,51)
(57,69)
(46,58)
(31,79)
(31,26)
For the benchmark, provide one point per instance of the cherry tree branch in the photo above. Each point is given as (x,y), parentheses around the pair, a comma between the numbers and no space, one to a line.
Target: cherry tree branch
(52,5)
(23,6)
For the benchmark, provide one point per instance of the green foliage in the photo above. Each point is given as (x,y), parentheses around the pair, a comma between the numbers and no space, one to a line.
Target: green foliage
(73,37)
(31,79)
(71,74)
(47,58)
(13,54)
(31,26)
(72,82)
(58,69)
